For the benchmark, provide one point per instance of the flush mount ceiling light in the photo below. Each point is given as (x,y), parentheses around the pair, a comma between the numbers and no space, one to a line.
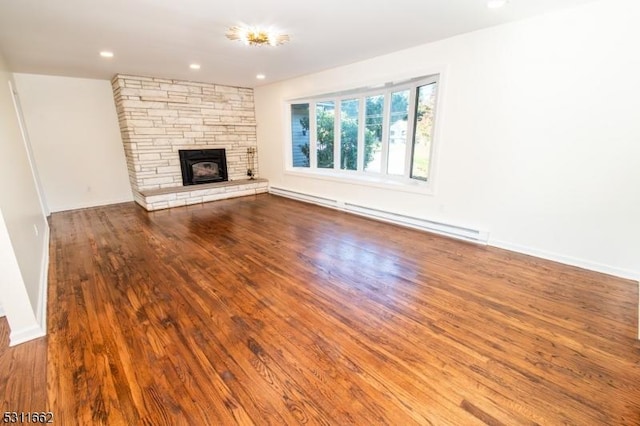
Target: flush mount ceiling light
(254,36)
(194,66)
(106,54)
(261,76)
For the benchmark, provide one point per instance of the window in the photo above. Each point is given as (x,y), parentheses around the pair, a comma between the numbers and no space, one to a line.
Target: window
(349,134)
(425,104)
(325,125)
(398,122)
(384,134)
(373,134)
(300,135)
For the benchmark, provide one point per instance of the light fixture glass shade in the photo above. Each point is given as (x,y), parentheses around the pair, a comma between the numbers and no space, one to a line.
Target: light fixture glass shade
(256,36)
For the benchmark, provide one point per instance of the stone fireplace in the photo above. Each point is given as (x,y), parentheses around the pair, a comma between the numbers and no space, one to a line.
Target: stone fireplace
(161,118)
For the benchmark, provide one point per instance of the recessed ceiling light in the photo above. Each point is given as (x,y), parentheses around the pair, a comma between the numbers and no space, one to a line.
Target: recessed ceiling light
(495,4)
(194,66)
(106,54)
(261,76)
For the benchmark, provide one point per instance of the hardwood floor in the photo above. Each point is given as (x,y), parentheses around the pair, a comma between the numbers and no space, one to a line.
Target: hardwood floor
(22,374)
(263,310)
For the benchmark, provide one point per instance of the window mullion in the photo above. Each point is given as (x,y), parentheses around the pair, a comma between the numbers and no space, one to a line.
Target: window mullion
(313,139)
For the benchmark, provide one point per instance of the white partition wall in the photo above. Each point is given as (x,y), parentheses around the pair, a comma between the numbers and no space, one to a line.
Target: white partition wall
(24,232)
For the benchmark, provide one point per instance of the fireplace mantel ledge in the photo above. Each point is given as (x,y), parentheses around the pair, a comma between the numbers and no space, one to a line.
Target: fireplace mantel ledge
(164,198)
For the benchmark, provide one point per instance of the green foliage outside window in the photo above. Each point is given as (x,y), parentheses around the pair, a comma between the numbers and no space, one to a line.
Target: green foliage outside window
(349,134)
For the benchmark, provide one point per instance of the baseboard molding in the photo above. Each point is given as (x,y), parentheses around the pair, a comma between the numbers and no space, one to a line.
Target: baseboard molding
(78,206)
(567,260)
(301,196)
(436,227)
(24,335)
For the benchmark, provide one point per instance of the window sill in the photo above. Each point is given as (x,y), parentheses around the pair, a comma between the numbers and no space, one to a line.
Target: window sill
(404,185)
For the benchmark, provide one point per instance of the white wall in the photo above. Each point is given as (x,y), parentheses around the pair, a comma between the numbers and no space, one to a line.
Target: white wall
(539,140)
(74,133)
(24,232)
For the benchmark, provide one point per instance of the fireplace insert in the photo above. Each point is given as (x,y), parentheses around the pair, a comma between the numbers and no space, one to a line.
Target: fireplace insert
(203,166)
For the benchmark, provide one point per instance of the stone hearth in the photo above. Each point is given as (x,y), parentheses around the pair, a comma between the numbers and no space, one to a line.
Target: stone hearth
(160,117)
(157,199)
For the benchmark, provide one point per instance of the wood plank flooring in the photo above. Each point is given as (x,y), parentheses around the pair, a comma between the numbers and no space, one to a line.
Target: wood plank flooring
(263,310)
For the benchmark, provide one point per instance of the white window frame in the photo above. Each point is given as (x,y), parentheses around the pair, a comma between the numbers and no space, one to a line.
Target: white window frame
(360,176)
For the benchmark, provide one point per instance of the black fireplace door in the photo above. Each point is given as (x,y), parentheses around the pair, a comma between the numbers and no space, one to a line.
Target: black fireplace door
(203,166)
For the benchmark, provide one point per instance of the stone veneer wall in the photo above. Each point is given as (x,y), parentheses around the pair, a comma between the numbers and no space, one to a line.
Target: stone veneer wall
(158,117)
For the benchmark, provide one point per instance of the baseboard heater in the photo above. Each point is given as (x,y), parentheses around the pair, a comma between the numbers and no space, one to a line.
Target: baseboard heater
(454,231)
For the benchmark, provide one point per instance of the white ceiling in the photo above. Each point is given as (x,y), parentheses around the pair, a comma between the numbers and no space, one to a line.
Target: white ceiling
(162,37)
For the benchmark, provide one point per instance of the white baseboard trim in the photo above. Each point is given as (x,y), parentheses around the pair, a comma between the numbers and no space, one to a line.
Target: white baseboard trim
(302,196)
(78,206)
(446,229)
(567,260)
(21,336)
